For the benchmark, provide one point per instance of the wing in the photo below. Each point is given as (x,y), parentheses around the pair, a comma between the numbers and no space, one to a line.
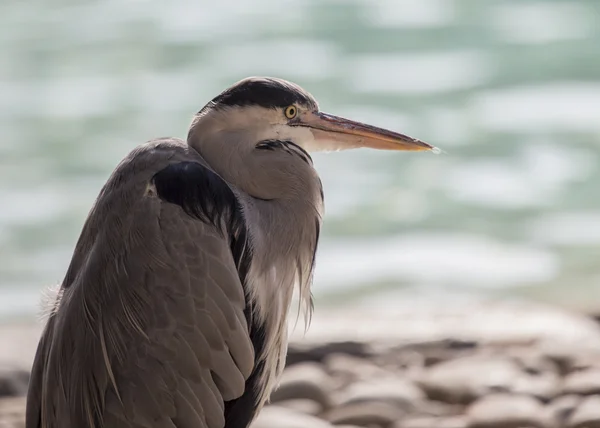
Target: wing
(152,327)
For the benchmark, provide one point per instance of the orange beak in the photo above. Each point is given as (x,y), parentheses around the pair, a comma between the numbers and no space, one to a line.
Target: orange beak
(337,133)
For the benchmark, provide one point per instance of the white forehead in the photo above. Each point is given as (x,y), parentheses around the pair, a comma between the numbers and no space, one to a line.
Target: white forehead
(253,123)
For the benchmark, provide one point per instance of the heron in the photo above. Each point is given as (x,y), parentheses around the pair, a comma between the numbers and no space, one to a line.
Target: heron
(173,311)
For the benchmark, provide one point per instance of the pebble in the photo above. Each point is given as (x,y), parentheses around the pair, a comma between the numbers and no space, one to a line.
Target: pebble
(12,412)
(347,370)
(304,381)
(438,408)
(429,422)
(394,390)
(508,411)
(308,407)
(465,379)
(532,361)
(13,382)
(583,382)
(561,408)
(418,383)
(570,358)
(436,351)
(543,385)
(416,422)
(302,352)
(365,414)
(587,414)
(278,417)
(452,422)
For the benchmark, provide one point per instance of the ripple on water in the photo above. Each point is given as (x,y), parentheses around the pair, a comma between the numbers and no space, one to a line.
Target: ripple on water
(193,21)
(33,205)
(446,125)
(419,73)
(16,302)
(495,184)
(82,83)
(539,174)
(558,106)
(410,14)
(541,22)
(60,98)
(444,259)
(241,59)
(566,229)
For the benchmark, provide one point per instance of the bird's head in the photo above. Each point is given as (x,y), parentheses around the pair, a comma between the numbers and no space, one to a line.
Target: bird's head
(256,134)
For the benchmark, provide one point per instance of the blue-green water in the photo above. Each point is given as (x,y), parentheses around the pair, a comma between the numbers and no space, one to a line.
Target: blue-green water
(510,90)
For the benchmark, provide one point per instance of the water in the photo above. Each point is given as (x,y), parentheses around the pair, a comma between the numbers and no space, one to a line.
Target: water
(510,91)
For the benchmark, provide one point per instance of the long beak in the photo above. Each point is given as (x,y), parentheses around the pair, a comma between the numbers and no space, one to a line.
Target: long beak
(337,133)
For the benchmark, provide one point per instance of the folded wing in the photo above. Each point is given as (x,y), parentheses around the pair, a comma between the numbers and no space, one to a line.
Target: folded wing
(151,328)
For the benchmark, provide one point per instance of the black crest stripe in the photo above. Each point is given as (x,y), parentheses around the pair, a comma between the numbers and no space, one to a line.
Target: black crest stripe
(286,145)
(300,150)
(268,93)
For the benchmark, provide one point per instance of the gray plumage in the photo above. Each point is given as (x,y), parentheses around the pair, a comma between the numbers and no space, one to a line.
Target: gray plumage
(173,311)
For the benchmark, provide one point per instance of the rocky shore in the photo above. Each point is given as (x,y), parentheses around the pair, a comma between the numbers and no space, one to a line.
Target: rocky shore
(459,365)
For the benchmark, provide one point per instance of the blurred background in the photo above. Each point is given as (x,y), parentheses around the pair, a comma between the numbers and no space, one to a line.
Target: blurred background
(509,90)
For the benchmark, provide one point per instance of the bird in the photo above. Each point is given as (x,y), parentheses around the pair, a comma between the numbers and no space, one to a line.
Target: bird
(173,310)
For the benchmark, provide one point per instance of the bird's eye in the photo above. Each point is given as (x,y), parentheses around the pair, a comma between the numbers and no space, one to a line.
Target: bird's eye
(291,112)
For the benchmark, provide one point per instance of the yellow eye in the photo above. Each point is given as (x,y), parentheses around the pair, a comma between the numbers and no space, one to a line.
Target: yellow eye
(291,112)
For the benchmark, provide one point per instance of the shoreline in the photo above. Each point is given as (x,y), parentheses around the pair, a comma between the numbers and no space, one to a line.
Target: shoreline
(469,364)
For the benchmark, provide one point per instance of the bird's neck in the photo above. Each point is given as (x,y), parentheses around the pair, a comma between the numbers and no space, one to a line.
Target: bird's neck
(284,236)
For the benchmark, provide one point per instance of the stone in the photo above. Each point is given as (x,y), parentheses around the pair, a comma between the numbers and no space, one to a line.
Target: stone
(570,358)
(11,424)
(278,417)
(365,414)
(306,406)
(347,369)
(543,386)
(465,379)
(431,422)
(563,357)
(13,382)
(438,408)
(583,382)
(307,381)
(301,352)
(13,407)
(399,360)
(12,412)
(417,422)
(452,422)
(587,414)
(532,361)
(507,411)
(561,408)
(429,352)
(398,391)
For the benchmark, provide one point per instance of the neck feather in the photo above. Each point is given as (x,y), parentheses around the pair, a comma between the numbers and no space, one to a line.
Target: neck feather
(284,236)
